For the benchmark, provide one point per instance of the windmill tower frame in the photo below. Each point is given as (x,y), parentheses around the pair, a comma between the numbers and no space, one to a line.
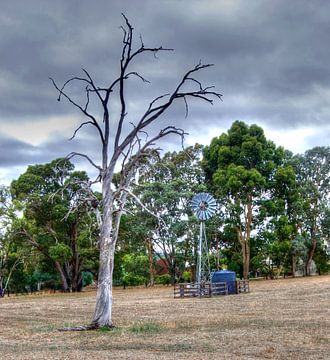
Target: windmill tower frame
(204,207)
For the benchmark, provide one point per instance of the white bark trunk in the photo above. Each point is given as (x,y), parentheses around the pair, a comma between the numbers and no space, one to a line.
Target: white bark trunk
(103,308)
(103,313)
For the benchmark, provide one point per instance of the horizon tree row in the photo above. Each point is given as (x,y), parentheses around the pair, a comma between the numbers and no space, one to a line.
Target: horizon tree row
(273,216)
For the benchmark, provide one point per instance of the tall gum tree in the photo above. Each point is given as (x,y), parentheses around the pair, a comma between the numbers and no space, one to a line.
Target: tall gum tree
(124,148)
(313,172)
(239,166)
(166,187)
(10,256)
(55,218)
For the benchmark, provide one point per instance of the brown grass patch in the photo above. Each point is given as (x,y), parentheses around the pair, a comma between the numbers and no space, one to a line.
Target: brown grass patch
(282,319)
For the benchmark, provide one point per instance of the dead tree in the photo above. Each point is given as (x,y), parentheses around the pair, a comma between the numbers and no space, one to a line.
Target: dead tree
(127,149)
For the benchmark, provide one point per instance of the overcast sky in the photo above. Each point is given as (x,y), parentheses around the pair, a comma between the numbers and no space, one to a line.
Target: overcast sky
(271,63)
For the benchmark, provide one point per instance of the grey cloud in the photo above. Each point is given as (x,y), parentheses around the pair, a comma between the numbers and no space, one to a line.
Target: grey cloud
(14,152)
(271,60)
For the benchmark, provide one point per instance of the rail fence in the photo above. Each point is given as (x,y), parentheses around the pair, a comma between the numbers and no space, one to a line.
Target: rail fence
(242,286)
(189,290)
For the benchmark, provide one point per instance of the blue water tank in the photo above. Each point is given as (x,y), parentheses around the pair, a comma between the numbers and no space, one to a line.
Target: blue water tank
(226,276)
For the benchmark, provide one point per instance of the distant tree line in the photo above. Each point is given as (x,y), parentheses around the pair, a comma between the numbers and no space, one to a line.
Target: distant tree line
(273,217)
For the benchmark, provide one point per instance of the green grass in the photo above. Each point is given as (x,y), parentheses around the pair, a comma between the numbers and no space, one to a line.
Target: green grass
(145,328)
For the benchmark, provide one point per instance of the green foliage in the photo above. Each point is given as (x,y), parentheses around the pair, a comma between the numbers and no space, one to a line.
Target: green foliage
(46,223)
(87,278)
(133,279)
(163,279)
(166,187)
(60,252)
(135,270)
(56,219)
(322,260)
(240,168)
(313,174)
(187,276)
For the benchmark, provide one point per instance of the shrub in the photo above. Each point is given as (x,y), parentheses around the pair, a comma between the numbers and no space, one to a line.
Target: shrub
(187,276)
(133,279)
(163,279)
(87,278)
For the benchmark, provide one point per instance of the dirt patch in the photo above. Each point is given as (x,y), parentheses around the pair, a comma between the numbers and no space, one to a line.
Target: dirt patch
(282,319)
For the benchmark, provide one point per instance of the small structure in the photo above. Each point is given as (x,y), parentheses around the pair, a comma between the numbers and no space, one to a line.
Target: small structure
(226,276)
(188,290)
(204,207)
(218,283)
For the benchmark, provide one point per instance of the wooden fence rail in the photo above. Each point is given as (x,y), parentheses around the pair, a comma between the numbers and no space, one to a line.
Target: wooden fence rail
(188,290)
(242,286)
(200,290)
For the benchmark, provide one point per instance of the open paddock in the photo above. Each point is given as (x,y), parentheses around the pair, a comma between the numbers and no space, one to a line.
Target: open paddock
(278,319)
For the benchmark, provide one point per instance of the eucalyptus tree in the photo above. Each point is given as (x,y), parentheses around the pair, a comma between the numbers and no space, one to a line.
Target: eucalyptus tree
(166,187)
(239,166)
(133,240)
(283,213)
(123,148)
(4,242)
(56,219)
(313,173)
(9,258)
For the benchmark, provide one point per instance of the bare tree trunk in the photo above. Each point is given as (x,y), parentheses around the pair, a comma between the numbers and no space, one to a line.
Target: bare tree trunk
(245,246)
(64,281)
(76,277)
(246,260)
(244,239)
(103,313)
(151,261)
(294,260)
(103,307)
(310,257)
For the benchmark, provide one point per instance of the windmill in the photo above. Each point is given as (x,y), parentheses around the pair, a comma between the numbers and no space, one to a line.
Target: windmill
(204,207)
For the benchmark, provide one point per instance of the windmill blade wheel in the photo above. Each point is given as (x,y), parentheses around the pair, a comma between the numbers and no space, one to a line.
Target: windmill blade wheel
(204,206)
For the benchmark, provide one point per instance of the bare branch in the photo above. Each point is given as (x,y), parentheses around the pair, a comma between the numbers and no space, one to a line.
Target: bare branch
(75,78)
(73,154)
(153,111)
(142,44)
(186,105)
(79,127)
(138,75)
(126,59)
(83,110)
(146,151)
(155,100)
(95,89)
(87,96)
(53,232)
(160,220)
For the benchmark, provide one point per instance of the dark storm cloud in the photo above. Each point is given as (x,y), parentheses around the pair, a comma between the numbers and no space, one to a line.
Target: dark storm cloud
(13,151)
(18,155)
(271,61)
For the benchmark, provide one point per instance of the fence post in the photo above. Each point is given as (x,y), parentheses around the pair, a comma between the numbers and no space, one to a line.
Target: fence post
(181,290)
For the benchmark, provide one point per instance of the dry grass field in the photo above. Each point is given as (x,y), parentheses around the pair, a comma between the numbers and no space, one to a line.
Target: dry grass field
(279,319)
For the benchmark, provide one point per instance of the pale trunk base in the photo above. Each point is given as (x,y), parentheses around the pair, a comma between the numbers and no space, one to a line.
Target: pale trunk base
(103,308)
